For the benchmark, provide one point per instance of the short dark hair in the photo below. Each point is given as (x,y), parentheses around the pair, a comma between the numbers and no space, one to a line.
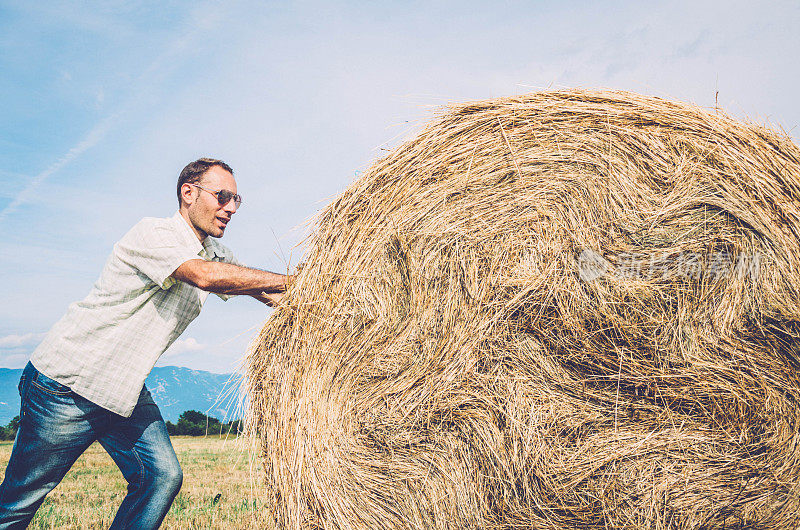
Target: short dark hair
(194,171)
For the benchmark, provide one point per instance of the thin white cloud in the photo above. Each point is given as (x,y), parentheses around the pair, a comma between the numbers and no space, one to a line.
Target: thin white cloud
(95,135)
(15,350)
(21,341)
(16,360)
(183,346)
(163,63)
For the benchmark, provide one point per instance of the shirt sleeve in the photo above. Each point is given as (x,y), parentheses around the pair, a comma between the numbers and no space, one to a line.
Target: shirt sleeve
(155,252)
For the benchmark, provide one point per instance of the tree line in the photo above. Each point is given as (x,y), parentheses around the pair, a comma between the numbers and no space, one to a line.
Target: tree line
(194,423)
(9,432)
(190,423)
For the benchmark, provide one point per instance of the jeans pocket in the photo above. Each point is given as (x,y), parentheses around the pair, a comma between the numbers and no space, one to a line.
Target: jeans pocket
(50,386)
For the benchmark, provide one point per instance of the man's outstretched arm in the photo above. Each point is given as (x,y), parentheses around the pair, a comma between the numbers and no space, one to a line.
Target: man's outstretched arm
(226,278)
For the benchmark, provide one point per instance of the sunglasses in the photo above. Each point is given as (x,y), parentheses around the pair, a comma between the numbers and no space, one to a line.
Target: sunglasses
(223,196)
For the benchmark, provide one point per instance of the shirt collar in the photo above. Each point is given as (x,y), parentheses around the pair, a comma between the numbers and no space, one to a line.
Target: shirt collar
(209,244)
(213,249)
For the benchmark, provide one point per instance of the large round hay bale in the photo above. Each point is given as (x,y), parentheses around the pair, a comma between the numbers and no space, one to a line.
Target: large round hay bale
(570,309)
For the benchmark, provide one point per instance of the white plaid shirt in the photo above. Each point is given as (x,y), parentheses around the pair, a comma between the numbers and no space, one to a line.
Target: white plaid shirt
(105,345)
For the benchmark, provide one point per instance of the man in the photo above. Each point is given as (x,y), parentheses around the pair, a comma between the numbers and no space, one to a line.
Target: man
(85,381)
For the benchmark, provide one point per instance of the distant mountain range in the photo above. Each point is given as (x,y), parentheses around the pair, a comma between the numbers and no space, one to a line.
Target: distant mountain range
(174,390)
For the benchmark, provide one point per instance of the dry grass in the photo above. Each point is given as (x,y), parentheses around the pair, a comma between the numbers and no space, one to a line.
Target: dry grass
(571,309)
(90,494)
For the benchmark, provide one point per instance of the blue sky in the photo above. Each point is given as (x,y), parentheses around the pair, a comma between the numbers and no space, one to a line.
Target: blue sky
(105,102)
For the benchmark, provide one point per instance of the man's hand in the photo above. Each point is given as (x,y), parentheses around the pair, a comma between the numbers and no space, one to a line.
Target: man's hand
(226,278)
(271,299)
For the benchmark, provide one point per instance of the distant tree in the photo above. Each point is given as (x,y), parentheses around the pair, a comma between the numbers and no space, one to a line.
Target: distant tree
(214,426)
(193,416)
(232,427)
(195,423)
(187,428)
(9,432)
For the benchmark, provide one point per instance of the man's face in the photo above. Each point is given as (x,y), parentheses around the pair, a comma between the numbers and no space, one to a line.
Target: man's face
(205,212)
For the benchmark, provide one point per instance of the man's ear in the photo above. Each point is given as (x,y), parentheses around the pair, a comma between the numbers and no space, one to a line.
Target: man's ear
(186,194)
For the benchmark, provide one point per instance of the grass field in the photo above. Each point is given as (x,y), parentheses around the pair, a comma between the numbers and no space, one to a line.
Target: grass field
(213,468)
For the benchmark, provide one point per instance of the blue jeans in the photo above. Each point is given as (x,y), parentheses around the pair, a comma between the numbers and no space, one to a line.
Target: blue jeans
(56,426)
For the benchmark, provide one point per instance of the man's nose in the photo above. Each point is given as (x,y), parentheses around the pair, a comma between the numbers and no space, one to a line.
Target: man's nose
(230,208)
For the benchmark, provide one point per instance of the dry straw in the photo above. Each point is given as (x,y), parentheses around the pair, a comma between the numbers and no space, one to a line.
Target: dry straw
(570,309)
